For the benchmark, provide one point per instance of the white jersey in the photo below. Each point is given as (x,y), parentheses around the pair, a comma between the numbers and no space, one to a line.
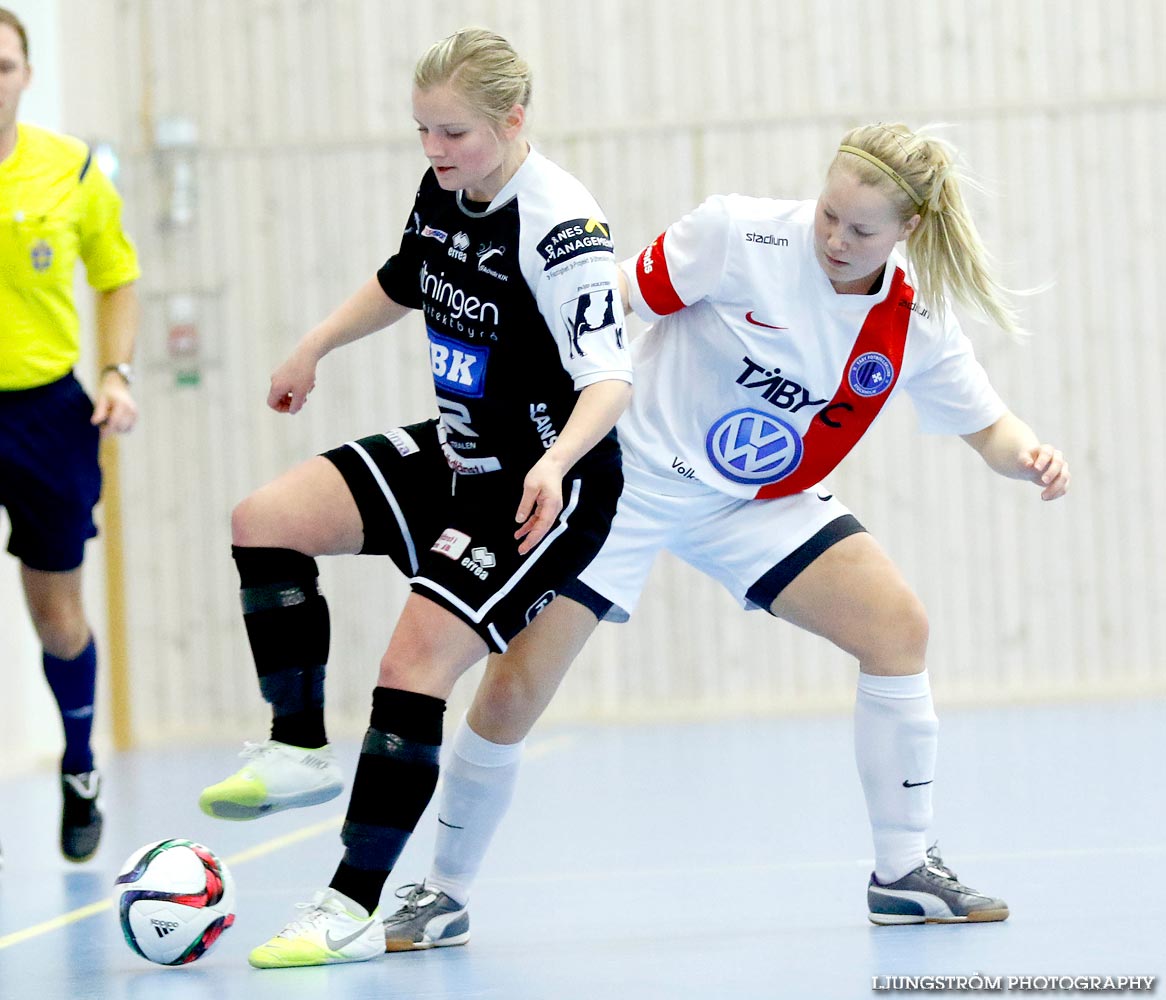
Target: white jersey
(757,377)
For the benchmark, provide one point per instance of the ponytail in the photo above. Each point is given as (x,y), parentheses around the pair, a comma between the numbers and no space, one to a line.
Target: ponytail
(919,174)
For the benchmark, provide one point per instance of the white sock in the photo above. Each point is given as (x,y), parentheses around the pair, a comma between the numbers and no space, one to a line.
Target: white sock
(896,735)
(477,786)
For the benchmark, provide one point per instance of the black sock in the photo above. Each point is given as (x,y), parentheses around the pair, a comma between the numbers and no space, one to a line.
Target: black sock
(301,729)
(288,627)
(394,781)
(359,885)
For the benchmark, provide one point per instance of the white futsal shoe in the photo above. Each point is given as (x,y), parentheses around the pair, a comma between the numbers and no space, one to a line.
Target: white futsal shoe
(276,776)
(331,929)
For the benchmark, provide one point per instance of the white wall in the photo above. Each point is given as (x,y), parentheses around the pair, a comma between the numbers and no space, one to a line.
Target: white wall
(306,163)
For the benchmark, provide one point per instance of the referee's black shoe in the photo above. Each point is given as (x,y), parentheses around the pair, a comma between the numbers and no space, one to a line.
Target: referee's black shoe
(81,818)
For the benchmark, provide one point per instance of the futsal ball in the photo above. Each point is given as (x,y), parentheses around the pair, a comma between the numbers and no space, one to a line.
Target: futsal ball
(174,898)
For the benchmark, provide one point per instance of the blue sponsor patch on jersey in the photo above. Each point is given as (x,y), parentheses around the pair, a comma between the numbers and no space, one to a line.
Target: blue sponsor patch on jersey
(753,448)
(457,367)
(574,238)
(871,374)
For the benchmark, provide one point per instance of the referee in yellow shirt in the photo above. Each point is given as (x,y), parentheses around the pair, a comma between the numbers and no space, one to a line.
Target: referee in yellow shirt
(55,207)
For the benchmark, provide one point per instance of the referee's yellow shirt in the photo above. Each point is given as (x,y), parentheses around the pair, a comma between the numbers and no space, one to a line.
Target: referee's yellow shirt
(55,206)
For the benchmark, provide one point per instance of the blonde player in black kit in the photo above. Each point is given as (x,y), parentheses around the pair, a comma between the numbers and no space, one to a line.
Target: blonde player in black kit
(489,509)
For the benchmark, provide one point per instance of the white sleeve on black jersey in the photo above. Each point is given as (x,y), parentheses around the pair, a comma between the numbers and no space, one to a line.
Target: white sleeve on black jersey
(682,265)
(577,291)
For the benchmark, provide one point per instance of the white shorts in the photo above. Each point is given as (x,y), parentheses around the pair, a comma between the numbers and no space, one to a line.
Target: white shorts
(753,547)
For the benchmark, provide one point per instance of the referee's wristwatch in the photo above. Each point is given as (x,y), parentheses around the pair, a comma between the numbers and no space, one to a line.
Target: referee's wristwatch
(124,369)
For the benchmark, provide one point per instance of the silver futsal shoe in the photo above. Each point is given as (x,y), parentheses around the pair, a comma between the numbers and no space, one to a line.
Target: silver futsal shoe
(930,894)
(429,919)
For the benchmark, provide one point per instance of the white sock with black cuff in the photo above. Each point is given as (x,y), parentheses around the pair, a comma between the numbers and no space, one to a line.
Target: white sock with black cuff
(896,734)
(477,786)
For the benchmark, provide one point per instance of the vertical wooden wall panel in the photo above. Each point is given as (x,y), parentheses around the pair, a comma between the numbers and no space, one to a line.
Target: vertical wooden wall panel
(306,164)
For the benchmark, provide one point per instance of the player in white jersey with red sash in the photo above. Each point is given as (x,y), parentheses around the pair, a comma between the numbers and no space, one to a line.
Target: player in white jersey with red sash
(792,374)
(783,329)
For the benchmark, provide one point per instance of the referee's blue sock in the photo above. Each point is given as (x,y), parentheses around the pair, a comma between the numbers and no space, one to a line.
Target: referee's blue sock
(73,683)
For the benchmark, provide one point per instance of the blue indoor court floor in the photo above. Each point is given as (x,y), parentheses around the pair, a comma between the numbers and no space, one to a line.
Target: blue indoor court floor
(703,860)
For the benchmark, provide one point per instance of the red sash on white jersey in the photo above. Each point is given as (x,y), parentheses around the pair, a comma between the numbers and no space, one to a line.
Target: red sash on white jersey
(884,332)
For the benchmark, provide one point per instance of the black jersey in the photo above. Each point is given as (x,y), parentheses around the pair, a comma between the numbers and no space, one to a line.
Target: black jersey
(522,309)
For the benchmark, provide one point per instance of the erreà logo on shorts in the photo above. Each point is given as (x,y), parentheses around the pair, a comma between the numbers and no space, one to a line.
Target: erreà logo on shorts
(452,543)
(753,448)
(574,238)
(479,562)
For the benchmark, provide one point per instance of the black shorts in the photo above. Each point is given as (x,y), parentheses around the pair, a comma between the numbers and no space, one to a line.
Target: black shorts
(453,537)
(49,477)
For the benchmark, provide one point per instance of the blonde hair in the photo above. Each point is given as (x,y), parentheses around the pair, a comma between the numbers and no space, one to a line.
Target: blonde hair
(919,174)
(482,66)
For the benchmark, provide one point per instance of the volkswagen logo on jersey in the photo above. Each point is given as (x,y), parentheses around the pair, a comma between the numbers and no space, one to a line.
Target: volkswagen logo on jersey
(751,447)
(870,374)
(457,367)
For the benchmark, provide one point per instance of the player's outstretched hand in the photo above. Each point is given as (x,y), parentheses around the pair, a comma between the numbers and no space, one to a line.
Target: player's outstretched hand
(291,382)
(1047,468)
(542,500)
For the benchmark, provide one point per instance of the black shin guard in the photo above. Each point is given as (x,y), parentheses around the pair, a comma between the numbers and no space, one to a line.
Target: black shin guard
(394,781)
(288,627)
